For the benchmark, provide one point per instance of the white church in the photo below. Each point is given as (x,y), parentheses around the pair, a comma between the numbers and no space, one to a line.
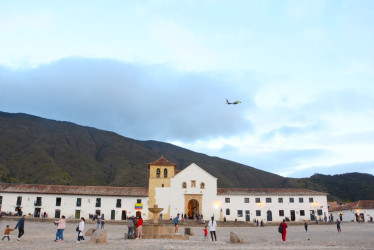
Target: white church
(192,191)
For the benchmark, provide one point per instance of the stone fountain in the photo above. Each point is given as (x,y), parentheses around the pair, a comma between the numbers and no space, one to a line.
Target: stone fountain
(154,230)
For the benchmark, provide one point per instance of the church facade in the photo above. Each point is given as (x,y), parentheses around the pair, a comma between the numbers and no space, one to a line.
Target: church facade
(192,191)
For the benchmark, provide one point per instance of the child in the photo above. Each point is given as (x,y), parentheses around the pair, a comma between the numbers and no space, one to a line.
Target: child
(205,233)
(6,233)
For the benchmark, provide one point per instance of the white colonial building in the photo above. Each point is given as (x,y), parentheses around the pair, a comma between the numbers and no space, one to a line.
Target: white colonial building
(192,191)
(352,211)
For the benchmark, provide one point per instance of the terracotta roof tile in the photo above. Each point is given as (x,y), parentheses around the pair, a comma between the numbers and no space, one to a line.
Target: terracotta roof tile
(161,162)
(362,204)
(74,190)
(266,191)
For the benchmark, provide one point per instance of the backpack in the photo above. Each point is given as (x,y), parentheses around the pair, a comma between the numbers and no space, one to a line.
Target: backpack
(280,229)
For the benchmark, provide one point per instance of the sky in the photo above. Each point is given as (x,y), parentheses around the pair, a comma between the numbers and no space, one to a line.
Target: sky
(162,70)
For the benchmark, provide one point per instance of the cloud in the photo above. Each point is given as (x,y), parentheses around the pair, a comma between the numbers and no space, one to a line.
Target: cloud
(141,102)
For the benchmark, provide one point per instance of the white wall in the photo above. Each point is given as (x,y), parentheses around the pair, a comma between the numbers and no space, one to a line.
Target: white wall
(237,203)
(175,194)
(68,204)
(349,215)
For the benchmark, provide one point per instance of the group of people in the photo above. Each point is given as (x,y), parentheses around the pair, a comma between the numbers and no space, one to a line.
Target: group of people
(138,221)
(20,226)
(212,228)
(100,221)
(131,223)
(283,228)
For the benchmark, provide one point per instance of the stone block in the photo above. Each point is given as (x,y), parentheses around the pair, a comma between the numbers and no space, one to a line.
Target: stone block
(99,236)
(235,239)
(90,232)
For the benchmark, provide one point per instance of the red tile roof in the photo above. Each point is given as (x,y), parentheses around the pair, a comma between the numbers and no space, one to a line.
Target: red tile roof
(362,204)
(267,191)
(74,190)
(162,162)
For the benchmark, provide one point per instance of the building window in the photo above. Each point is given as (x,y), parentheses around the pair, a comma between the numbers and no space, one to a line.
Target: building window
(19,201)
(227,200)
(301,200)
(258,200)
(158,172)
(139,201)
(246,200)
(119,203)
(302,213)
(281,212)
(162,185)
(227,211)
(319,212)
(240,213)
(268,200)
(202,185)
(38,201)
(1,200)
(165,173)
(258,212)
(292,200)
(77,214)
(280,200)
(58,203)
(311,200)
(193,184)
(57,213)
(184,185)
(79,203)
(98,202)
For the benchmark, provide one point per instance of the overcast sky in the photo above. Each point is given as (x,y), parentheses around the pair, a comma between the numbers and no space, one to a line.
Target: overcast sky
(162,70)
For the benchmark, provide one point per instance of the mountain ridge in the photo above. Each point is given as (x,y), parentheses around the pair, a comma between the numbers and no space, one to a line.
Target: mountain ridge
(36,150)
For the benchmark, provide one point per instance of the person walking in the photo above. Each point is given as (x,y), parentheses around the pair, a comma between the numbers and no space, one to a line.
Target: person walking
(98,222)
(80,230)
(306,225)
(7,232)
(212,228)
(338,226)
(61,224)
(130,228)
(284,230)
(21,227)
(139,226)
(176,219)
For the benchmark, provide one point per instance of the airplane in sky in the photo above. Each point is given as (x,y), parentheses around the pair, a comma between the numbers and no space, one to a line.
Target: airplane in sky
(234,103)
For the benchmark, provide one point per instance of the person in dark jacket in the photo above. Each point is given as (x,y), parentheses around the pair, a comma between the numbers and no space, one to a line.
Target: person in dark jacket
(306,225)
(21,227)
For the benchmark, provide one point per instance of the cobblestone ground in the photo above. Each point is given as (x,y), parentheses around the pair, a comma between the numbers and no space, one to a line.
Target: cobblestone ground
(39,235)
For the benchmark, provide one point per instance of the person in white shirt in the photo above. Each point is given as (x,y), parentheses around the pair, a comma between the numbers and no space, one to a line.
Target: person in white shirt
(212,228)
(80,230)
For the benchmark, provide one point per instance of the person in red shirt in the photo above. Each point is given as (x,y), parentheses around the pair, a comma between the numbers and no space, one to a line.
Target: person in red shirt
(205,229)
(284,233)
(139,225)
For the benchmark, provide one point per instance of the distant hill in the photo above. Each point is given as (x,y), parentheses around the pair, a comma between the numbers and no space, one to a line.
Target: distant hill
(42,151)
(343,187)
(38,150)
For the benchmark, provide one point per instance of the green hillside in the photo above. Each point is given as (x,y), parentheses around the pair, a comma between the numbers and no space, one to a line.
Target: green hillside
(343,187)
(42,151)
(38,150)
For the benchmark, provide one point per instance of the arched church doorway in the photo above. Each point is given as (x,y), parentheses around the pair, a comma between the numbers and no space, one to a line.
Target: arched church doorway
(193,208)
